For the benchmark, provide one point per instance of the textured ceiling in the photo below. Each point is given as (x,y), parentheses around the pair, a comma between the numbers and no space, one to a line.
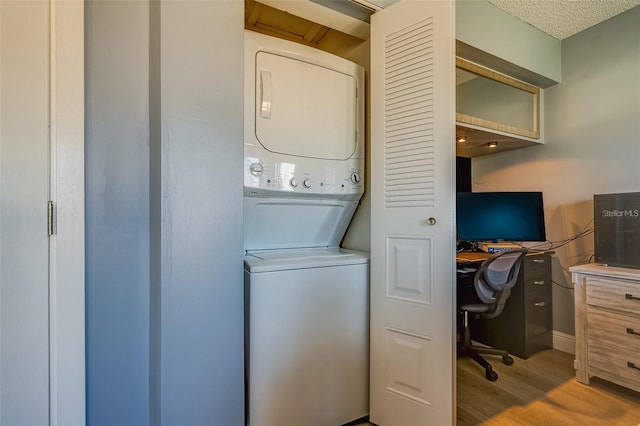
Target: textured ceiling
(562,19)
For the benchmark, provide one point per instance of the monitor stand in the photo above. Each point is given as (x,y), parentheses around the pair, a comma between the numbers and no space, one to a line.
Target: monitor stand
(490,247)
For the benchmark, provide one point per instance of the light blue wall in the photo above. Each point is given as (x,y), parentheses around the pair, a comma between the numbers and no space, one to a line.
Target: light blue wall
(117,212)
(517,49)
(201,307)
(164,212)
(592,144)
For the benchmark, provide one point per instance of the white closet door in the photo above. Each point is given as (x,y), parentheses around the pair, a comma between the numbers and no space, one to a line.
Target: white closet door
(24,190)
(41,158)
(412,227)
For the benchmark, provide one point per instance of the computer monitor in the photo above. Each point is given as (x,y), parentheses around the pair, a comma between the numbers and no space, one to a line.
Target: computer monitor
(500,216)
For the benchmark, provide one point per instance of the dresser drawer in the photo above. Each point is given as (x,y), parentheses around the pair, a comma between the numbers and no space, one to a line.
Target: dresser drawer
(615,329)
(617,364)
(614,294)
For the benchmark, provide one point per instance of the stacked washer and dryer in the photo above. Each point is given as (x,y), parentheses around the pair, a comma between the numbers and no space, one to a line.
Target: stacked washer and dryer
(307,335)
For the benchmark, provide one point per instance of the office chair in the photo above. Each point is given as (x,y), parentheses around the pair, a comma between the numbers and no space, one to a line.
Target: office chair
(493,282)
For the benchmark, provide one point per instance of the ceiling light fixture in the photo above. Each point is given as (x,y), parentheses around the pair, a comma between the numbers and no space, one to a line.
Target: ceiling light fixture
(461,139)
(492,144)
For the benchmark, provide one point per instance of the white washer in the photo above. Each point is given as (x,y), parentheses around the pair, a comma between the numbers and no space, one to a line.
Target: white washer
(306,299)
(307,342)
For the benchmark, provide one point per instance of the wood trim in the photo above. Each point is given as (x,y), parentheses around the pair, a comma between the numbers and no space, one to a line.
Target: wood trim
(564,342)
(322,15)
(488,124)
(582,361)
(494,75)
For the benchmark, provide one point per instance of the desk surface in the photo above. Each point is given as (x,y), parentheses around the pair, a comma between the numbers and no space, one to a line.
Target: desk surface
(479,256)
(471,256)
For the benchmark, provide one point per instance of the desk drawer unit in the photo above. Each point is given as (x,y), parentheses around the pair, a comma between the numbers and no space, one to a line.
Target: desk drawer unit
(607,324)
(537,266)
(525,325)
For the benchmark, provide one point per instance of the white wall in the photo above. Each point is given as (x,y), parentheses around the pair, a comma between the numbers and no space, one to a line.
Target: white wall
(592,146)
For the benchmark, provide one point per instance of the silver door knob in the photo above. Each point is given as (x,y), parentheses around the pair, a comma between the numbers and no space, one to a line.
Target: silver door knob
(431,221)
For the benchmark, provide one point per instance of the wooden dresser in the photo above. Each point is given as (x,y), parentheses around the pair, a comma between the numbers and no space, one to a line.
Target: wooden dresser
(607,312)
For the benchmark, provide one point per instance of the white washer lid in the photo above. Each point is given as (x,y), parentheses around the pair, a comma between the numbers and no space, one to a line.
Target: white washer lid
(280,260)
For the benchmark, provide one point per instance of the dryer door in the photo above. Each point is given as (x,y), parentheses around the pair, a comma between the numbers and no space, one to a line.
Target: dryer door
(303,109)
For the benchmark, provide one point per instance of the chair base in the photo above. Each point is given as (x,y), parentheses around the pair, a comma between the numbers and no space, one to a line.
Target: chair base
(474,352)
(466,348)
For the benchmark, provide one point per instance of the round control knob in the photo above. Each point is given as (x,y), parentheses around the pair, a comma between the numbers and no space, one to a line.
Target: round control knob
(293,182)
(256,169)
(306,183)
(355,177)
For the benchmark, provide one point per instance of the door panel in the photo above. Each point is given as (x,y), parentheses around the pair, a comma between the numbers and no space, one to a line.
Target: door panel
(408,260)
(24,189)
(409,371)
(412,228)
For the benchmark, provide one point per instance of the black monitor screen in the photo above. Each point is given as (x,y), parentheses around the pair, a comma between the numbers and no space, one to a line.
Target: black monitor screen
(500,216)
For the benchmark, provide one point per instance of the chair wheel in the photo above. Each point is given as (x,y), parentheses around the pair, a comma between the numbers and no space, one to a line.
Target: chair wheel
(507,360)
(492,376)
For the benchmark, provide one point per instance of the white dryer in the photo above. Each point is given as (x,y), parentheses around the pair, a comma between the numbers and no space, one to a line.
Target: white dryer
(306,299)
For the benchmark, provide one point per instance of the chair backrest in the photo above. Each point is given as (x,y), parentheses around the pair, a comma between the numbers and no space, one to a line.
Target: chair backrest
(496,277)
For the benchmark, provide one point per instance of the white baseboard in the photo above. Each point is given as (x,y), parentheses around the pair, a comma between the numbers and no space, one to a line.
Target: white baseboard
(564,342)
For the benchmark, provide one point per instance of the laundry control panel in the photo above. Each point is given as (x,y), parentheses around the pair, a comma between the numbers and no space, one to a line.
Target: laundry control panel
(307,177)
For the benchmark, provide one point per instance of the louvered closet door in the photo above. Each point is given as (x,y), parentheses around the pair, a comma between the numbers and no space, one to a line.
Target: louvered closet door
(412,233)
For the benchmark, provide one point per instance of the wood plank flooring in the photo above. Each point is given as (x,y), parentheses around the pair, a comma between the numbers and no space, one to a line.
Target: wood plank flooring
(541,390)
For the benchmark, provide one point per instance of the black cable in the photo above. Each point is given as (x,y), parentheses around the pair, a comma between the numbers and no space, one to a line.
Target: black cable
(552,245)
(560,285)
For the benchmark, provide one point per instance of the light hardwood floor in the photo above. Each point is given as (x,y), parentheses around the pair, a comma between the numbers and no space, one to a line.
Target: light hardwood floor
(541,390)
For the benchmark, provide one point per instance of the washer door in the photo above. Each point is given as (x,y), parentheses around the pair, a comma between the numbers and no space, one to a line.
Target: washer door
(283,223)
(303,109)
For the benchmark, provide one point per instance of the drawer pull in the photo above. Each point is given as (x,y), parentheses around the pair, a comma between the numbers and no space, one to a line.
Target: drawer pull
(630,297)
(538,260)
(632,331)
(540,304)
(632,365)
(538,282)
